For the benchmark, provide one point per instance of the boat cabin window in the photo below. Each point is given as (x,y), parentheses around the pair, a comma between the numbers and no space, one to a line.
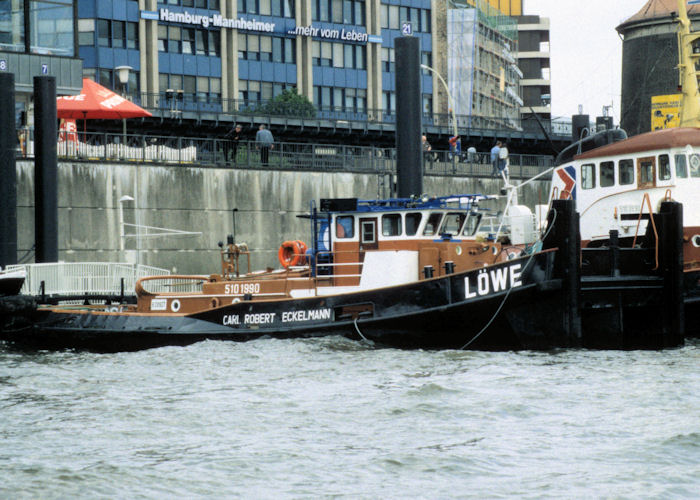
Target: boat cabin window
(344,226)
(626,174)
(391,225)
(472,224)
(664,168)
(588,176)
(607,173)
(681,167)
(452,223)
(368,231)
(694,165)
(433,224)
(412,222)
(646,172)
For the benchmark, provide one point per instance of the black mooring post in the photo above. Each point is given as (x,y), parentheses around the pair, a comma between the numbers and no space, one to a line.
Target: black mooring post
(408,117)
(671,261)
(45,170)
(564,235)
(8,172)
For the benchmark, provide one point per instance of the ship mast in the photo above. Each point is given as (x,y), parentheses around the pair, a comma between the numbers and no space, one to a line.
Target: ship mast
(688,58)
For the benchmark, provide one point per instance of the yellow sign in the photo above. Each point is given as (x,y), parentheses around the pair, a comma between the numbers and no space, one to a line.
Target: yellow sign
(665,111)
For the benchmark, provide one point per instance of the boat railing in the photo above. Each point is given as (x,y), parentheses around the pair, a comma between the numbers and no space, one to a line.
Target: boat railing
(170,284)
(647,201)
(83,278)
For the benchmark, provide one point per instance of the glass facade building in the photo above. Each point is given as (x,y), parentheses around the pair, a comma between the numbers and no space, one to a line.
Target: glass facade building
(39,38)
(225,55)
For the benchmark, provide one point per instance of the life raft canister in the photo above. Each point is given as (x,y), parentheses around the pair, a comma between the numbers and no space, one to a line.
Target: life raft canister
(292,253)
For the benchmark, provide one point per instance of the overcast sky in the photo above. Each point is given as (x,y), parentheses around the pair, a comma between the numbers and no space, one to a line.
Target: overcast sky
(585,51)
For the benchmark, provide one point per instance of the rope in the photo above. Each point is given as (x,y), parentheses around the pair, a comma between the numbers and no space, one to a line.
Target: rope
(505,297)
(359,332)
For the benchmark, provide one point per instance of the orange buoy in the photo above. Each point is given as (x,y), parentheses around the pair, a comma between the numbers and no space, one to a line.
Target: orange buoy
(292,253)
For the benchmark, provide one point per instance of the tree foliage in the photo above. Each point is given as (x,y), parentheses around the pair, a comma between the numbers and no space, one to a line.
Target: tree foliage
(289,103)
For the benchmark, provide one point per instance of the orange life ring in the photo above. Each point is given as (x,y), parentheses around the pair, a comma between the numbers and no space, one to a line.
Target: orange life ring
(292,253)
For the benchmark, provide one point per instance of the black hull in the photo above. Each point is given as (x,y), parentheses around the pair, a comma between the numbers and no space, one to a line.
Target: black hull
(10,285)
(447,312)
(692,303)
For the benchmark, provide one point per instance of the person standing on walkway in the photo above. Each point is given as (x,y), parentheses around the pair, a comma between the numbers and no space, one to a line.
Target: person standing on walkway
(235,136)
(265,142)
(503,160)
(427,148)
(494,158)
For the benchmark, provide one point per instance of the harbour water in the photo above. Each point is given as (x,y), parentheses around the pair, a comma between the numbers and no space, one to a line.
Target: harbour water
(336,418)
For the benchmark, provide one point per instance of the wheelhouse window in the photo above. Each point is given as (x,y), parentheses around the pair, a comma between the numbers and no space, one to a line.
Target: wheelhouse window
(607,173)
(681,167)
(588,176)
(646,172)
(626,174)
(412,223)
(344,226)
(433,223)
(391,225)
(664,168)
(472,224)
(452,223)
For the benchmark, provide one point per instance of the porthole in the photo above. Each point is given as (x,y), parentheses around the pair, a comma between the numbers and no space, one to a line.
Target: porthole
(235,301)
(494,250)
(696,240)
(695,162)
(458,250)
(175,306)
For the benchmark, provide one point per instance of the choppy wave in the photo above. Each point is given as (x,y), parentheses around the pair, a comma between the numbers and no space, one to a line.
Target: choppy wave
(332,417)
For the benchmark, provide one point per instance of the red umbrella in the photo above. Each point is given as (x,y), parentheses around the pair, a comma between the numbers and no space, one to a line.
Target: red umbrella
(97,102)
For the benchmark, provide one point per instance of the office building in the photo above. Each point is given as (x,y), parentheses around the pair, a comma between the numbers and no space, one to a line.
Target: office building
(39,38)
(227,55)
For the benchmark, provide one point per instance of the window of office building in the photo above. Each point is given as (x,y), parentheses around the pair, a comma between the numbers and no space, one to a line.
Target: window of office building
(249,90)
(426,59)
(200,4)
(340,99)
(104,33)
(249,7)
(177,40)
(387,60)
(116,34)
(282,8)
(338,55)
(104,77)
(393,17)
(188,41)
(338,11)
(427,103)
(86,32)
(51,27)
(11,26)
(388,101)
(199,88)
(266,48)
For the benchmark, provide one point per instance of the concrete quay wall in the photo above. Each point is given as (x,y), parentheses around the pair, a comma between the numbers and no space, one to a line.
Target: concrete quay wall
(197,199)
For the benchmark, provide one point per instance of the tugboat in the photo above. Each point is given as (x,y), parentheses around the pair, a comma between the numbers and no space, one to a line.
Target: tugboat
(399,272)
(619,185)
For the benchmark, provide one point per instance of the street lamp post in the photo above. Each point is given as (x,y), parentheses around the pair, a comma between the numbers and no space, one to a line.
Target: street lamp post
(449,96)
(123,76)
(136,226)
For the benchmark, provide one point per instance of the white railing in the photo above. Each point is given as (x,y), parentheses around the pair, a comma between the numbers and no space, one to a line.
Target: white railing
(79,278)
